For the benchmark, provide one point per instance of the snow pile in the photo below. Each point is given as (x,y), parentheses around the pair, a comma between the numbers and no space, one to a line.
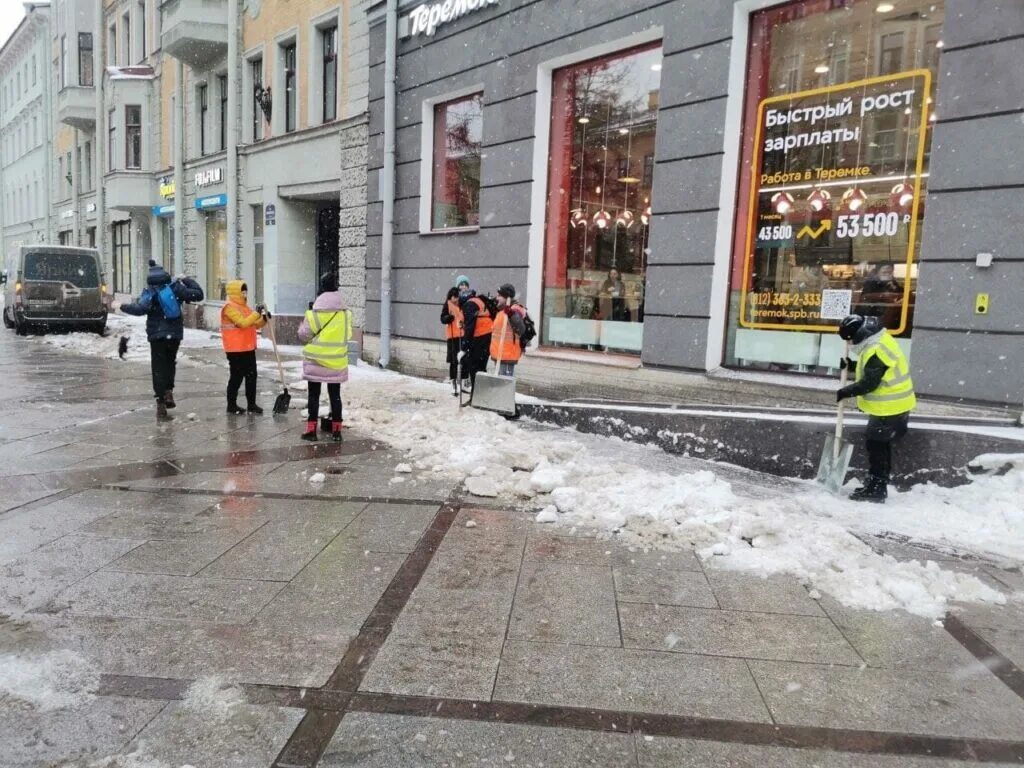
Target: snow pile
(49,681)
(803,532)
(213,697)
(134,328)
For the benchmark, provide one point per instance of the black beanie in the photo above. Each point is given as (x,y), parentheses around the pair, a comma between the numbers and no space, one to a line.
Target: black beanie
(328,282)
(508,291)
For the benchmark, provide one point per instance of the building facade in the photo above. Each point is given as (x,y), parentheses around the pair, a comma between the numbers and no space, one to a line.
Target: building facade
(25,132)
(223,138)
(705,185)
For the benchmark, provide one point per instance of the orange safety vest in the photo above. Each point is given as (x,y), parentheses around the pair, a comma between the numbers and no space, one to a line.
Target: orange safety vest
(484,323)
(509,349)
(454,329)
(235,338)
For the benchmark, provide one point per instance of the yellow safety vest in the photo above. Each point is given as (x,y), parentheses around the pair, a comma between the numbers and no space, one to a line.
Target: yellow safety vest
(895,395)
(332,330)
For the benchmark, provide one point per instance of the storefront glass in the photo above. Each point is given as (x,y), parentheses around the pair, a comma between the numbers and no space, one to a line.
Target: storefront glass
(601,170)
(216,255)
(837,135)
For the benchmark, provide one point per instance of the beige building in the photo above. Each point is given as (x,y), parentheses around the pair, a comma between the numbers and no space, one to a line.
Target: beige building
(223,138)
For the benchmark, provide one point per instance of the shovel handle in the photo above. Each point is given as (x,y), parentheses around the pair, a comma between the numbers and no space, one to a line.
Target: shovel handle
(273,343)
(843,378)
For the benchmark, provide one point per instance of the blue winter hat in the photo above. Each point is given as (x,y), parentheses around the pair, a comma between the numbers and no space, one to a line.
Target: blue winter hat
(460,280)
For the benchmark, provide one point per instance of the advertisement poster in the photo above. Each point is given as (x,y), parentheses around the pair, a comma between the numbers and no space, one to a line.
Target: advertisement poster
(835,204)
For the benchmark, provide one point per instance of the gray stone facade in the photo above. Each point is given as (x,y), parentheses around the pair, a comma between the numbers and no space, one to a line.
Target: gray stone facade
(504,48)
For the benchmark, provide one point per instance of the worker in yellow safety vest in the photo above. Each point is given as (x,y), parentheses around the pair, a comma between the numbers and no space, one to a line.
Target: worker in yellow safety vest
(884,391)
(325,332)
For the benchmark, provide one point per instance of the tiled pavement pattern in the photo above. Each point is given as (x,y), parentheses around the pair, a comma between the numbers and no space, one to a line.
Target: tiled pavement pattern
(367,625)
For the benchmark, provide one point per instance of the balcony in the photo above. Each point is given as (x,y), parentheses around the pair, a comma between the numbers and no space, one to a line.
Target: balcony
(76,106)
(129,190)
(195,31)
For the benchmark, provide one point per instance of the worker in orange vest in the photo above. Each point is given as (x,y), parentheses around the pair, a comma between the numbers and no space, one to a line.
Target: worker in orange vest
(509,328)
(451,319)
(238,327)
(477,324)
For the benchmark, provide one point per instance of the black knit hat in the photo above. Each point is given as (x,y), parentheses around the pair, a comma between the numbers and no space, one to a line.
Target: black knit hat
(328,282)
(508,291)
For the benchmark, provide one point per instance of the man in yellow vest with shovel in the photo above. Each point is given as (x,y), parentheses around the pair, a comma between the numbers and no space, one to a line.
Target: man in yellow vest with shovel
(884,391)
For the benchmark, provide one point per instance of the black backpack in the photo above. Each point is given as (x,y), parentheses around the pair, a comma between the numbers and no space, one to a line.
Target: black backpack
(490,304)
(529,333)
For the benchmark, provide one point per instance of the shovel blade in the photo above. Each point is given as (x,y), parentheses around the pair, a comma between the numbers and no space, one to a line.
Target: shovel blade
(494,393)
(282,403)
(833,466)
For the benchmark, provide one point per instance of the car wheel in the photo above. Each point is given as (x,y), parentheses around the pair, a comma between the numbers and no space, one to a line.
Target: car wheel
(7,320)
(100,328)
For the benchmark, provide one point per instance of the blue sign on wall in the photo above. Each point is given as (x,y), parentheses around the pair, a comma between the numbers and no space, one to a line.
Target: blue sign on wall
(214,201)
(163,210)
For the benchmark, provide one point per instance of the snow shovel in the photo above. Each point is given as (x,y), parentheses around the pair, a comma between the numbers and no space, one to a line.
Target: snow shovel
(283,400)
(458,372)
(494,392)
(835,458)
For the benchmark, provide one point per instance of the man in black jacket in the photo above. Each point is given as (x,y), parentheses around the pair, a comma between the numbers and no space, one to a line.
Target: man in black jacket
(164,333)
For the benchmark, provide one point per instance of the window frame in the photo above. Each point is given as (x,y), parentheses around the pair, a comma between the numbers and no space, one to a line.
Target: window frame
(427,159)
(203,99)
(85,73)
(291,77)
(126,37)
(329,63)
(257,125)
(111,139)
(132,130)
(222,115)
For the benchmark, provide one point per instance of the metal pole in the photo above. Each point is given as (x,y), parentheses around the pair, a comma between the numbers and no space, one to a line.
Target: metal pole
(179,168)
(99,69)
(49,116)
(231,136)
(387,181)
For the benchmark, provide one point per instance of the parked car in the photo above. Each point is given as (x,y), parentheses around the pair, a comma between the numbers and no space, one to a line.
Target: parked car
(54,287)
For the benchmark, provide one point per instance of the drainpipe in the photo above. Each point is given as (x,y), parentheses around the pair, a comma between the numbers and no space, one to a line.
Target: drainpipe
(231,134)
(48,117)
(76,182)
(179,168)
(99,70)
(387,181)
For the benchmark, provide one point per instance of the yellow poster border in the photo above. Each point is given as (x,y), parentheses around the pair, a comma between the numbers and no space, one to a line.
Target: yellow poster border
(755,187)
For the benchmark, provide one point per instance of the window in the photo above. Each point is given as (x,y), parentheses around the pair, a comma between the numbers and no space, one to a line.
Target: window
(603,129)
(122,257)
(458,130)
(18,81)
(126,39)
(256,68)
(222,88)
(111,136)
(203,109)
(87,162)
(112,46)
(85,65)
(329,85)
(167,238)
(35,131)
(290,85)
(70,176)
(33,69)
(216,254)
(64,61)
(133,136)
(257,250)
(142,31)
(60,171)
(838,240)
(890,58)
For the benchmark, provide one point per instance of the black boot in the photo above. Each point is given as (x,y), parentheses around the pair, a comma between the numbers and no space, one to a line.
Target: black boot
(255,410)
(235,410)
(169,399)
(875,490)
(161,411)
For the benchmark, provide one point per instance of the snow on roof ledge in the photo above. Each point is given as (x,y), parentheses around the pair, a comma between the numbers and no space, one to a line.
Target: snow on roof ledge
(140,72)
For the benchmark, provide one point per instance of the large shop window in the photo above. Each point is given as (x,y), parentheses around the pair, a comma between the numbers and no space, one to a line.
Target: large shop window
(216,255)
(458,132)
(837,135)
(601,170)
